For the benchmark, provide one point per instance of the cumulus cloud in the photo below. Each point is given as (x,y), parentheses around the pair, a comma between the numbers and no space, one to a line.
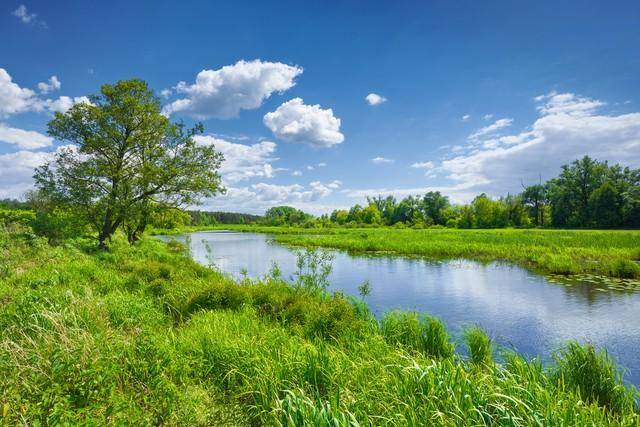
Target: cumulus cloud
(568,127)
(224,92)
(25,139)
(15,99)
(487,116)
(49,86)
(375,99)
(63,103)
(296,173)
(298,123)
(243,161)
(466,117)
(380,160)
(16,171)
(257,198)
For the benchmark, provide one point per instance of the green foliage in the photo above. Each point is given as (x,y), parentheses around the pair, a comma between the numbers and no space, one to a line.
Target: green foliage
(115,337)
(314,267)
(421,333)
(479,346)
(593,375)
(129,160)
(17,216)
(284,215)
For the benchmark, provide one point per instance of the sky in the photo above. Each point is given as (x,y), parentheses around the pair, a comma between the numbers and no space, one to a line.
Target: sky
(320,104)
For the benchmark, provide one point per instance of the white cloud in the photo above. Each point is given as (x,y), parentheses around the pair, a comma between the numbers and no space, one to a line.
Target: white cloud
(379,160)
(310,168)
(322,165)
(296,122)
(51,85)
(423,165)
(567,103)
(375,99)
(259,197)
(27,17)
(487,116)
(222,93)
(296,173)
(14,99)
(166,93)
(243,161)
(25,139)
(569,126)
(492,128)
(16,171)
(466,117)
(63,103)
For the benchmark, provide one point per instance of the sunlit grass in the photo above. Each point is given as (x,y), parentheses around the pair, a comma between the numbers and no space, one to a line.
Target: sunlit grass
(142,335)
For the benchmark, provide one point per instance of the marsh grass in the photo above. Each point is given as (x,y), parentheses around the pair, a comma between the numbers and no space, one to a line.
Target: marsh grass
(142,335)
(479,346)
(593,375)
(612,253)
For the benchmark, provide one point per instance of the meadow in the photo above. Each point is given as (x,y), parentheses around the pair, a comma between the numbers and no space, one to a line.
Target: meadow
(610,253)
(142,335)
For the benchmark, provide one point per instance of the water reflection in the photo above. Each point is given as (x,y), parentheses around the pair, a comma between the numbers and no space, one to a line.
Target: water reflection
(519,309)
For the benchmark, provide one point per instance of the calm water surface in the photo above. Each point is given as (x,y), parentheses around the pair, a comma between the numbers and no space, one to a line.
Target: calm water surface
(519,309)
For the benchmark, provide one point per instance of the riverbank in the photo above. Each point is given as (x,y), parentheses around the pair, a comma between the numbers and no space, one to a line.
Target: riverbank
(144,335)
(610,253)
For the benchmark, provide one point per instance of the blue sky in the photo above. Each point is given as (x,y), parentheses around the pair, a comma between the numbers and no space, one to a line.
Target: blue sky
(470,96)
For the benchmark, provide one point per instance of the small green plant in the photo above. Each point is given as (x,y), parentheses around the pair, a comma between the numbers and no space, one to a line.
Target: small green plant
(479,346)
(364,289)
(314,267)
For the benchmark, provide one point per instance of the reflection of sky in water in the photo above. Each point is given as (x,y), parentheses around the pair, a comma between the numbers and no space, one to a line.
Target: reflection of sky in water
(519,309)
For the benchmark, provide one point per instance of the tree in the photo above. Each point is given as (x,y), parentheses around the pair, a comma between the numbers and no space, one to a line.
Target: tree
(535,197)
(281,215)
(126,159)
(433,206)
(606,206)
(371,215)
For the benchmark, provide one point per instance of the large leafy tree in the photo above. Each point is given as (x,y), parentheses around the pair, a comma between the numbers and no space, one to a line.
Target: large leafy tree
(125,160)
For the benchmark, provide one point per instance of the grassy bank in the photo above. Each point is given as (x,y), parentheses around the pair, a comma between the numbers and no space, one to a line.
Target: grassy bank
(612,253)
(143,335)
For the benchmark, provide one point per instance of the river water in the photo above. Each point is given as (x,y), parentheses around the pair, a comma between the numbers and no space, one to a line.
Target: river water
(519,309)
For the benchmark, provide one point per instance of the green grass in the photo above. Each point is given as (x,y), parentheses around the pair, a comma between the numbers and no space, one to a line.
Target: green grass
(142,335)
(612,253)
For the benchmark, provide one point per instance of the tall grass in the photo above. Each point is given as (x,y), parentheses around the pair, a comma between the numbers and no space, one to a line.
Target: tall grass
(479,345)
(593,375)
(142,335)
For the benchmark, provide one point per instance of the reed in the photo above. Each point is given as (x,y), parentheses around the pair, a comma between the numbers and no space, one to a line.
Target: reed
(142,335)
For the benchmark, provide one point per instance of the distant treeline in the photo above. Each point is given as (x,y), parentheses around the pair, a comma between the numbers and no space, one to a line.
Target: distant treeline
(211,218)
(587,193)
